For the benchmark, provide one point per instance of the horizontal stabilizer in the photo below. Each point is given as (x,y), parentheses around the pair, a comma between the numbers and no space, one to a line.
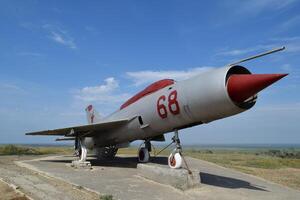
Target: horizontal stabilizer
(64,139)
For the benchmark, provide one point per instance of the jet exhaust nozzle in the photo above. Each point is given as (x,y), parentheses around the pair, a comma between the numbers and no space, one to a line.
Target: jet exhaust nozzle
(240,87)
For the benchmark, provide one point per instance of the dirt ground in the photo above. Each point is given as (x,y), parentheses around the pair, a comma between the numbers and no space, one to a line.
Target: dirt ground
(8,193)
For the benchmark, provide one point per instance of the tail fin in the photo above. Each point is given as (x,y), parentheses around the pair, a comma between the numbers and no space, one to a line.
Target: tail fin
(92,115)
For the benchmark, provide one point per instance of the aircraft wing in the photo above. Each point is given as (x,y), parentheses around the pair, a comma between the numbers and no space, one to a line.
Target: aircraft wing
(85,130)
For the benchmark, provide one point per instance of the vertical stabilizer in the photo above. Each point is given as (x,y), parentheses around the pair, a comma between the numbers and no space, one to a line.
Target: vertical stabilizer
(92,115)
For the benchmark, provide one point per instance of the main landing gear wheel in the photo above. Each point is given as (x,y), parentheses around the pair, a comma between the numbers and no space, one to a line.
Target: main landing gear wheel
(106,153)
(175,160)
(143,153)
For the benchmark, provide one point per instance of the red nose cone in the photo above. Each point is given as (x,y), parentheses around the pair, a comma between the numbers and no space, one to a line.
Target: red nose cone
(242,86)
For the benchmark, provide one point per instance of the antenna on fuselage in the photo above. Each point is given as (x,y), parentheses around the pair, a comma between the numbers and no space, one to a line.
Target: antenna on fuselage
(258,55)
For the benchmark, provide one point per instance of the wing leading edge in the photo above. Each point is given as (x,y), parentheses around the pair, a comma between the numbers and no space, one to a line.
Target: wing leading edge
(85,130)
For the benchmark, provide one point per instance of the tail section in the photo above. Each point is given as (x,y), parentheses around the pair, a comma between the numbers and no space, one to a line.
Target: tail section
(92,115)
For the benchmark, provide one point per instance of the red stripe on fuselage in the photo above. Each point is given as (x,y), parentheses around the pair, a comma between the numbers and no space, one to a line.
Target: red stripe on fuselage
(148,90)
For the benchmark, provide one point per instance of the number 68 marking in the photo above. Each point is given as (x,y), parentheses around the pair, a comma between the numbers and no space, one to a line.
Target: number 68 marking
(173,105)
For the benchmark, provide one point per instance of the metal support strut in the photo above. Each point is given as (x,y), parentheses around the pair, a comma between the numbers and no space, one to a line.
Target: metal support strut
(176,140)
(83,152)
(148,145)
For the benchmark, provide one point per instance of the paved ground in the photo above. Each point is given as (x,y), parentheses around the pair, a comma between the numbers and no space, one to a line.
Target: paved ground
(37,186)
(119,178)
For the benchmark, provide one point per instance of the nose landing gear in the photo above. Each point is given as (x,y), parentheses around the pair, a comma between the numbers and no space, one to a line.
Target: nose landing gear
(175,159)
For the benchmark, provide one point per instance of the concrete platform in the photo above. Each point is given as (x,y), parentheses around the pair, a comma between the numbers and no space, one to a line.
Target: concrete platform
(120,178)
(177,178)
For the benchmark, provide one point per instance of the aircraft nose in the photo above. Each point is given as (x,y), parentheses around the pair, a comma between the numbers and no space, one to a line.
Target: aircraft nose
(242,86)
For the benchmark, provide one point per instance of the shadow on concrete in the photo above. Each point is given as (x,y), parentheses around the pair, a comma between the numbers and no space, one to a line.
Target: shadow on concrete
(126,162)
(123,162)
(226,182)
(159,160)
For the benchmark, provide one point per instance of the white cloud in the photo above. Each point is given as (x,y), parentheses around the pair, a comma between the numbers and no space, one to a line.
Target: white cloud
(259,6)
(148,76)
(102,94)
(286,67)
(236,52)
(292,22)
(286,39)
(6,88)
(63,39)
(60,36)
(292,45)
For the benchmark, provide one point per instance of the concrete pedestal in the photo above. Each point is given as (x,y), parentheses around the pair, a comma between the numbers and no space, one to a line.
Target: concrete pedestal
(80,164)
(178,178)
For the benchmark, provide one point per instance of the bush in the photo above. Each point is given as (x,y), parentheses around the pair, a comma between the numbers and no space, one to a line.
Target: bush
(106,197)
(284,153)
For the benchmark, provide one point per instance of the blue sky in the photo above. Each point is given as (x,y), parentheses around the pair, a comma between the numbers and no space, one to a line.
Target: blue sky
(58,56)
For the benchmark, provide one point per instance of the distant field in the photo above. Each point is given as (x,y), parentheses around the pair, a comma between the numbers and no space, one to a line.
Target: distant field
(280,165)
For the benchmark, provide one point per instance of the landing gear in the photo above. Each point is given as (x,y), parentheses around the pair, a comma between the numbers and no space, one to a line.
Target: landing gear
(143,153)
(77,148)
(175,159)
(106,153)
(83,152)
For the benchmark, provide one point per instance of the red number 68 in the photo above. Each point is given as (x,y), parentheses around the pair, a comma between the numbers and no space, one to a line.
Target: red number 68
(173,105)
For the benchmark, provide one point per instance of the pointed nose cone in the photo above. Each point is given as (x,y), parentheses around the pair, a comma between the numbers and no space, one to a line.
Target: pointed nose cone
(242,86)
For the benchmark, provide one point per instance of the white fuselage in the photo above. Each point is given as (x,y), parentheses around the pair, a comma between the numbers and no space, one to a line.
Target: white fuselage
(200,99)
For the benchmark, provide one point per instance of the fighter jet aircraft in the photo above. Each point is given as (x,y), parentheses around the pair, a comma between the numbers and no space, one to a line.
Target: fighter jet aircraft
(168,106)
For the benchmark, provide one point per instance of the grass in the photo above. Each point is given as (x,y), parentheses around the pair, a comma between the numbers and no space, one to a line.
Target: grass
(234,158)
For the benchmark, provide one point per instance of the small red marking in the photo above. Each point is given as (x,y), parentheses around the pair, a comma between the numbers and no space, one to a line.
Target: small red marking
(148,90)
(89,108)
